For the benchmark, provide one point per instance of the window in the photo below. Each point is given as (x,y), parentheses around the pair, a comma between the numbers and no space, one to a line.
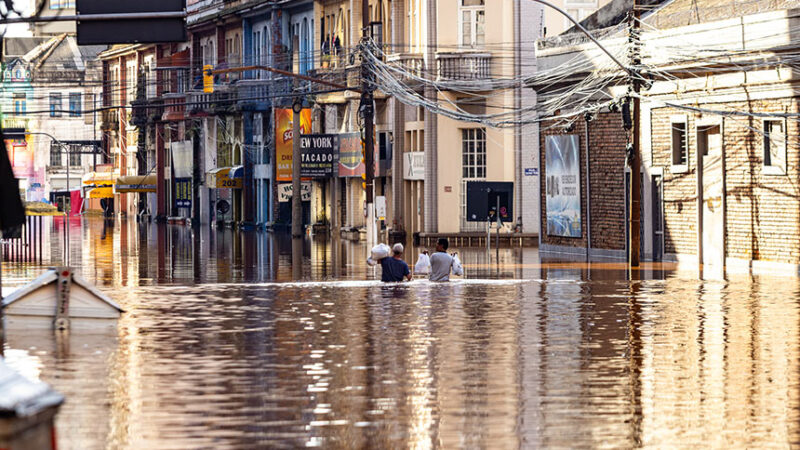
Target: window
(473,153)
(62,4)
(75,104)
(55,104)
(774,147)
(55,155)
(20,104)
(262,156)
(75,155)
(680,148)
(472,23)
(130,81)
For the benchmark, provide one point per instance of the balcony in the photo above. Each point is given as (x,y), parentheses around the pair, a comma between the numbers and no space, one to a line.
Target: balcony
(463,66)
(110,120)
(253,93)
(221,101)
(411,63)
(15,122)
(174,106)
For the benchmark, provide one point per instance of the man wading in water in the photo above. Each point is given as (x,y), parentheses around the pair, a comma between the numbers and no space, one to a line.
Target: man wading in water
(441,262)
(394,268)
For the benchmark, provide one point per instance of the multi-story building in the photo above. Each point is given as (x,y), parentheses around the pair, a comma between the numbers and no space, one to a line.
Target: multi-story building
(50,88)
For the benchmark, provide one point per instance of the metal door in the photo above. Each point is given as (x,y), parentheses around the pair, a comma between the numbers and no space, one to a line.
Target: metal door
(658,217)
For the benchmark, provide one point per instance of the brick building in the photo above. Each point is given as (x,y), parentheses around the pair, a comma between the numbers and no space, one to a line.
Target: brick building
(603,201)
(718,134)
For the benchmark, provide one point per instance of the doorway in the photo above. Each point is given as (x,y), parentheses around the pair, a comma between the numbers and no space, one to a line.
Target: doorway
(658,217)
(712,209)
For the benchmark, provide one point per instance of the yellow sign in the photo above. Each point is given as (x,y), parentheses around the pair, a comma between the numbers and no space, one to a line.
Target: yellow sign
(208,79)
(283,140)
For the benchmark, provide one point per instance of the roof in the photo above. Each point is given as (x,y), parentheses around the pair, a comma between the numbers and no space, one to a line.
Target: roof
(60,52)
(21,397)
(662,14)
(19,46)
(51,277)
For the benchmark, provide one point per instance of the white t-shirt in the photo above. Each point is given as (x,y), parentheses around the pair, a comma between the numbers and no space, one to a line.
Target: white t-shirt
(440,266)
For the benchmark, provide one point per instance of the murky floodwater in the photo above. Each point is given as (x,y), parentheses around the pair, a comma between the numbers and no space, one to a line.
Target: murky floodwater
(220,349)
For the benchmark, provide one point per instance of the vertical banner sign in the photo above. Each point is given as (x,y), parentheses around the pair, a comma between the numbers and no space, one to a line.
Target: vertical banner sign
(562,166)
(183,192)
(283,140)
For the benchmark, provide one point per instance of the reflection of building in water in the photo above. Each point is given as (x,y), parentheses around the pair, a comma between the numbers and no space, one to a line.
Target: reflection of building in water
(722,369)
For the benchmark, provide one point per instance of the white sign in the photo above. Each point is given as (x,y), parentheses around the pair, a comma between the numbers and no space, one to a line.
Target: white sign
(380,207)
(182,158)
(285,192)
(414,166)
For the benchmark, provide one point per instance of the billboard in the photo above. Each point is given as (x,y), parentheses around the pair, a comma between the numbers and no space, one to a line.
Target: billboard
(320,155)
(283,140)
(350,164)
(562,182)
(158,25)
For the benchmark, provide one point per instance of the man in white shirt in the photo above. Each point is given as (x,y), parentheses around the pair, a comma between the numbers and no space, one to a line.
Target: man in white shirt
(441,262)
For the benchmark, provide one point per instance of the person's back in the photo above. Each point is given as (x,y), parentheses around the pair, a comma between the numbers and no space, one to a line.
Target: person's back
(440,266)
(393,267)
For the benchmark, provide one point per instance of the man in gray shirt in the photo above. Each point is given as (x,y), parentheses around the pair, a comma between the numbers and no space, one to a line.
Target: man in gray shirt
(441,262)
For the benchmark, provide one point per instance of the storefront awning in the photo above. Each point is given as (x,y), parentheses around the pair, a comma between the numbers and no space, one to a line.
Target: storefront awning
(135,183)
(100,192)
(225,177)
(98,179)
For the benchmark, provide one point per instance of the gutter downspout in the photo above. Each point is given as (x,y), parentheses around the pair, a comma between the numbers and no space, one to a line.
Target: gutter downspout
(588,193)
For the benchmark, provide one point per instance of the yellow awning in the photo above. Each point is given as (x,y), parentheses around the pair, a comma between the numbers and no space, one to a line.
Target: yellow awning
(98,179)
(135,183)
(225,177)
(101,192)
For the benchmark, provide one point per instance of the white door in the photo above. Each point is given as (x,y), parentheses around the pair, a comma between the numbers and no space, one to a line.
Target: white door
(710,143)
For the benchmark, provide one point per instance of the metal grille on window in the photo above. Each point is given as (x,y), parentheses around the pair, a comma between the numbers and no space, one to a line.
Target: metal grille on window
(55,155)
(75,155)
(473,168)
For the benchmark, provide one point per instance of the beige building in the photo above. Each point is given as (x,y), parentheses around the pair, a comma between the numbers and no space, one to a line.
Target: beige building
(555,23)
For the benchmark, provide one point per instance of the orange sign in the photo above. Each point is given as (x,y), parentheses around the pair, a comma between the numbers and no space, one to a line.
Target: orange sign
(283,140)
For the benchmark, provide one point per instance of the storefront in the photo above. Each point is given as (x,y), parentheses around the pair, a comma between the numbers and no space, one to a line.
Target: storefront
(226,184)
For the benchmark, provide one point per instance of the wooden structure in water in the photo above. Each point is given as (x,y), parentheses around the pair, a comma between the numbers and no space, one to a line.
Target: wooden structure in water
(62,300)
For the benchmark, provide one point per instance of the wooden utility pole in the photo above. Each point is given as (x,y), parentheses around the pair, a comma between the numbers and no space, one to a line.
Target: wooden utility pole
(368,113)
(636,161)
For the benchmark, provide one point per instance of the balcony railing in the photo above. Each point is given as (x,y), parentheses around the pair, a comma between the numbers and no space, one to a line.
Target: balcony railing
(222,100)
(461,66)
(251,92)
(411,63)
(110,119)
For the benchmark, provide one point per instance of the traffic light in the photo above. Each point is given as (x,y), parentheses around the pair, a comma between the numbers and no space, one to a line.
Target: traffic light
(208,79)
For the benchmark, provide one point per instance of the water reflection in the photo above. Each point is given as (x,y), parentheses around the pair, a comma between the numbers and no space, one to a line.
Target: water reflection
(219,347)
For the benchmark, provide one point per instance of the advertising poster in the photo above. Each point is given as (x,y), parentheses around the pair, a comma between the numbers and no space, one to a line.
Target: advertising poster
(320,155)
(350,164)
(283,140)
(183,192)
(562,165)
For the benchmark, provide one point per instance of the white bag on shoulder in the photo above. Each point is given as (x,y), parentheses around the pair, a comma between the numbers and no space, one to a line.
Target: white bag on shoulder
(458,269)
(423,265)
(380,251)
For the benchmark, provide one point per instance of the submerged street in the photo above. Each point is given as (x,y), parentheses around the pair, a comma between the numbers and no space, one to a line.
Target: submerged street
(219,347)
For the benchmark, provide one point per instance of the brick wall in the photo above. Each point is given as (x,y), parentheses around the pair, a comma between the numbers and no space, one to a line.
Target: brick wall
(607,141)
(762,211)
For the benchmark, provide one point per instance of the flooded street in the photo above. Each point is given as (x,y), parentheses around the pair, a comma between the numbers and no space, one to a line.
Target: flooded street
(220,348)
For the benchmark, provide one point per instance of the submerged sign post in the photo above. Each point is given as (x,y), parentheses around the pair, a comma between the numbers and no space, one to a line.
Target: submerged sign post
(130,22)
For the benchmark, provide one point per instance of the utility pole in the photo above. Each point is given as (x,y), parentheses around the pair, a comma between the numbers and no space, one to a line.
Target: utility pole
(636,160)
(297,205)
(368,112)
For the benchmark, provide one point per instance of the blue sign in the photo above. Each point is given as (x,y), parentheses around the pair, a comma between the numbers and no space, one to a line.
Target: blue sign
(183,192)
(531,171)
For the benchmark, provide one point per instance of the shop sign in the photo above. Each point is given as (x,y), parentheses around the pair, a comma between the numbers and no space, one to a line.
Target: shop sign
(283,140)
(285,192)
(414,166)
(183,192)
(320,155)
(350,157)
